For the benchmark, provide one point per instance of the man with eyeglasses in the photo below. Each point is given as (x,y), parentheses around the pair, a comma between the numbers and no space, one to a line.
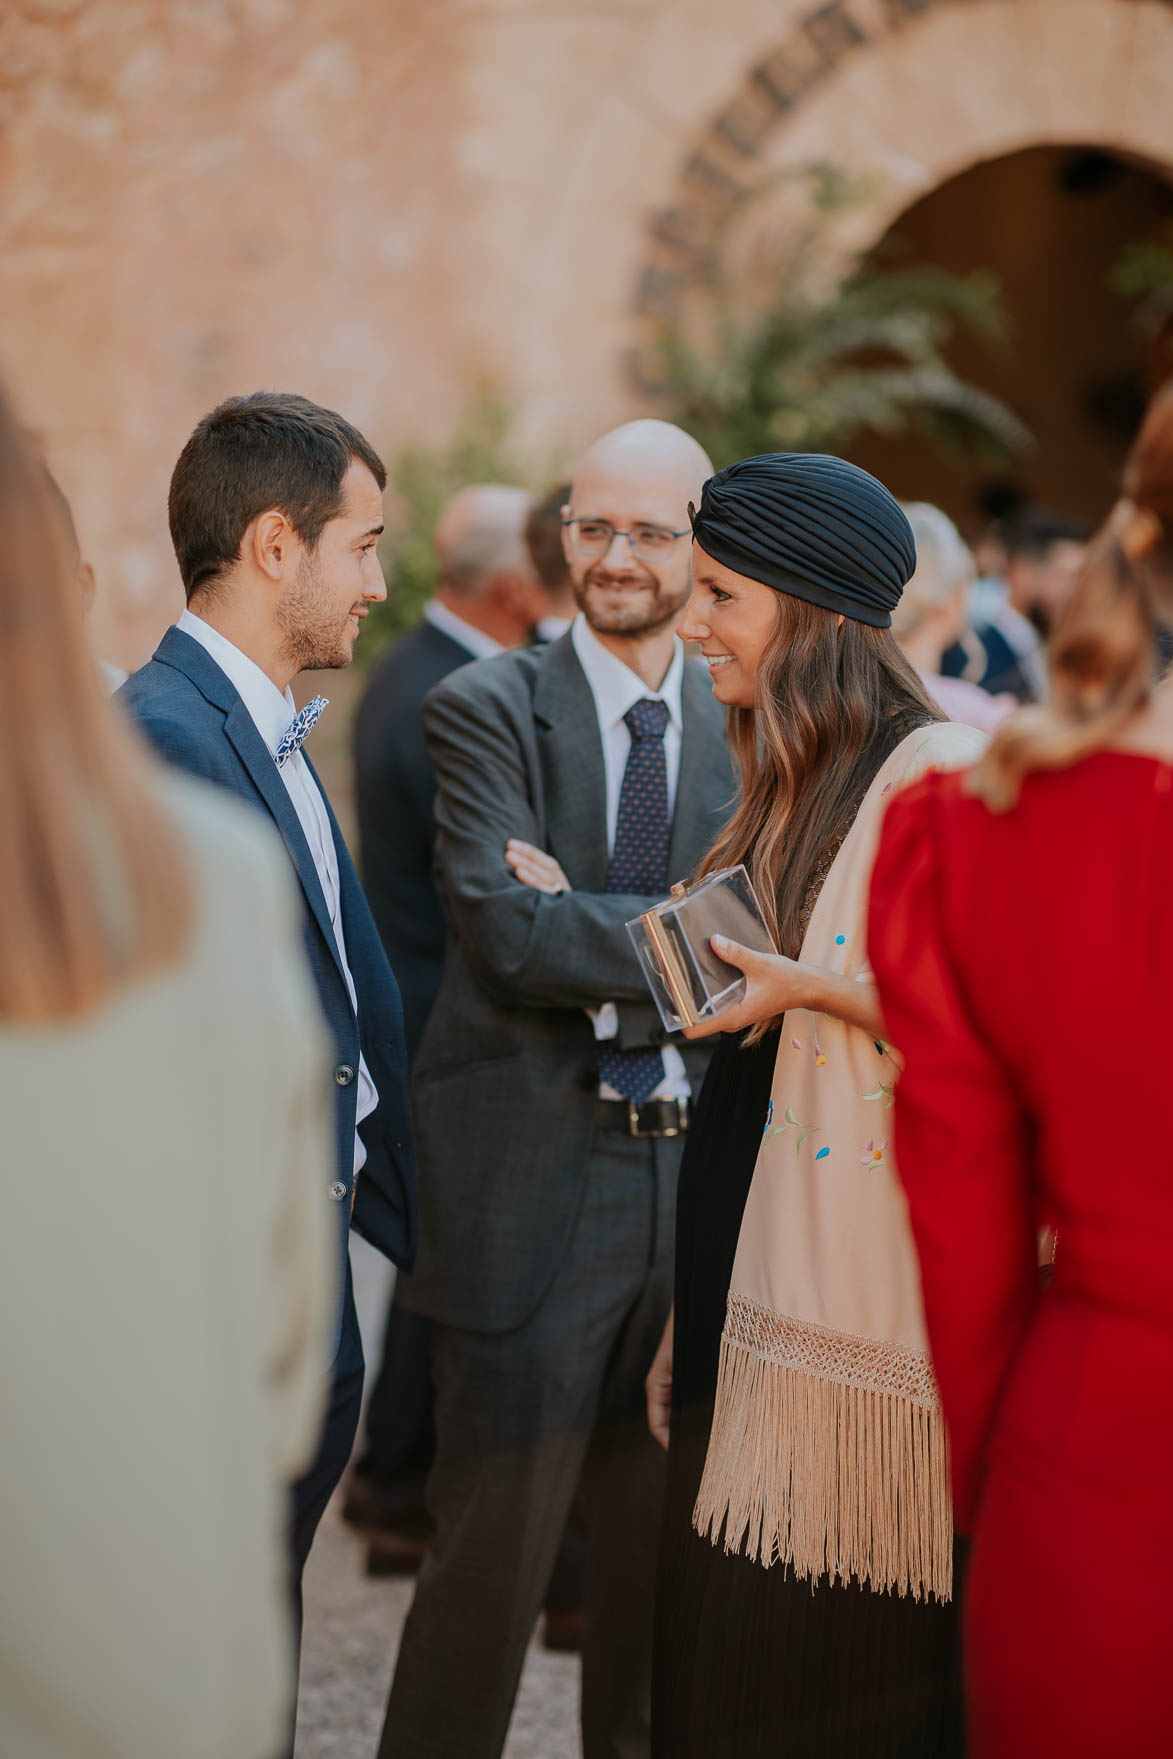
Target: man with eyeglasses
(576,782)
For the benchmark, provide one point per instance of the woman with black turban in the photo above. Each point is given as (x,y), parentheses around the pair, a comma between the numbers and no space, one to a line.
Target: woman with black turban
(806,1588)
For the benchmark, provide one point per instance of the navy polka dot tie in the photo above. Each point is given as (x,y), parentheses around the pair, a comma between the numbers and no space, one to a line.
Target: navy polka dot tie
(639,863)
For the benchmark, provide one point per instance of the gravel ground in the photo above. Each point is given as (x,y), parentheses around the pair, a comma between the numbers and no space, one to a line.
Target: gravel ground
(352,1627)
(352,1623)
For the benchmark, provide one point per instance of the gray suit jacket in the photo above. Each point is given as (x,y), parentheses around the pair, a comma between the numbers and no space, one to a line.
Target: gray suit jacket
(507,1074)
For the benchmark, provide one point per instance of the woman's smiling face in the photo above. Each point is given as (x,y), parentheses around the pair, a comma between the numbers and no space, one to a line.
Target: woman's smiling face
(731,618)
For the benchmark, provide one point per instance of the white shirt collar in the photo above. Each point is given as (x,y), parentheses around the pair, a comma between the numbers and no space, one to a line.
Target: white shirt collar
(615,687)
(271,709)
(478,644)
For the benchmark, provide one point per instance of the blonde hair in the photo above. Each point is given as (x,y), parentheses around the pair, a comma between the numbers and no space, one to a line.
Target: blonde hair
(93,891)
(944,563)
(1103,654)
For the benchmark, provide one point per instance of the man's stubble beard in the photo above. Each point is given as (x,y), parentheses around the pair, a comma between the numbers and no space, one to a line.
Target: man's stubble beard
(308,641)
(649,618)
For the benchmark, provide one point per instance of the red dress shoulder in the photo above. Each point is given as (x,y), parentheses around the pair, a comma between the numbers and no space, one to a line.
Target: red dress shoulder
(1025,968)
(959,1133)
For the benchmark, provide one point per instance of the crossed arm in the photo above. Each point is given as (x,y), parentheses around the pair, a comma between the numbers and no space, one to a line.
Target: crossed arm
(537,943)
(774,984)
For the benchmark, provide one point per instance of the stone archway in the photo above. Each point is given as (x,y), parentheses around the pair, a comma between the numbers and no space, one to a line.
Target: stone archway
(385,206)
(908,93)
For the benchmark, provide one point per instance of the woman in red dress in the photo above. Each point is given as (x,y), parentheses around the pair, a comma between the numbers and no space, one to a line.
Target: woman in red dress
(1021,933)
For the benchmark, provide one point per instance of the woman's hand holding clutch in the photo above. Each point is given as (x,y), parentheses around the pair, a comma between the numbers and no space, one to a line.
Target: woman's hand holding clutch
(775,984)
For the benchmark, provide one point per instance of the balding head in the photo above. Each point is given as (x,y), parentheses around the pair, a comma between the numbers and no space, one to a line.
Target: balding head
(638,479)
(483,568)
(654,455)
(481,535)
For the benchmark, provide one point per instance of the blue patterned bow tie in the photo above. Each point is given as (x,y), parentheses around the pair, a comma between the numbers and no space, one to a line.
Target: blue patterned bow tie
(299,730)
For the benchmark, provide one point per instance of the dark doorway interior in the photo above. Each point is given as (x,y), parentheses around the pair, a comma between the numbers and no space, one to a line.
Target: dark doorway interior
(1051,223)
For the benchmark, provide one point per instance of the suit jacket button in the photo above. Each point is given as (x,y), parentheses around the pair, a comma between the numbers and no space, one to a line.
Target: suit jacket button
(338,1192)
(344,1074)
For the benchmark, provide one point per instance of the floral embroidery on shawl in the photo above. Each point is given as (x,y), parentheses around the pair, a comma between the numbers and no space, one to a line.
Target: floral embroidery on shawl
(822,1471)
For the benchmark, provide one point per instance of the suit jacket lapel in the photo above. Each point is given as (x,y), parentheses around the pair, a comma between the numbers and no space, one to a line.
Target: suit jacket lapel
(187,656)
(570,750)
(705,781)
(257,759)
(348,881)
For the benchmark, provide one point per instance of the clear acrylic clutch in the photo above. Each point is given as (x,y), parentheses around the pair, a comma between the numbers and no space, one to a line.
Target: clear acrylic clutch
(689,983)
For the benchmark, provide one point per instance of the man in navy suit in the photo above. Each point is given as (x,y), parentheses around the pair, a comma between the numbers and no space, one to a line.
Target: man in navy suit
(275,510)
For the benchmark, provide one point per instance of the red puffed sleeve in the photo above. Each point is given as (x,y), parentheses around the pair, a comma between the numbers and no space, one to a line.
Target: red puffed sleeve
(959,1133)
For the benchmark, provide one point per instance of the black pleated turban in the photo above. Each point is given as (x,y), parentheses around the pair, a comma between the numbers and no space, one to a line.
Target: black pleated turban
(812,526)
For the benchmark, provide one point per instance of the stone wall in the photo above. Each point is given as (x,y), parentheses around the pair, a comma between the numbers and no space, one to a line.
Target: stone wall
(382,203)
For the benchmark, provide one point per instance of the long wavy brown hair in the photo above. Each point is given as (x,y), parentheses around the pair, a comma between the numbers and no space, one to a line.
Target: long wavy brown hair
(832,702)
(1103,654)
(93,892)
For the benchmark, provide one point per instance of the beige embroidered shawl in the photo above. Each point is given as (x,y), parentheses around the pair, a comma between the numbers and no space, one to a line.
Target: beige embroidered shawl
(827,1449)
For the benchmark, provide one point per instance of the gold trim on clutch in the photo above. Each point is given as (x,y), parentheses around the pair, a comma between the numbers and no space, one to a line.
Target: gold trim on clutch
(672,970)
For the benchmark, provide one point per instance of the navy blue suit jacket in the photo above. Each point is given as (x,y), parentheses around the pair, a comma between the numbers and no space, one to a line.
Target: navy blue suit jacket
(193,716)
(395,793)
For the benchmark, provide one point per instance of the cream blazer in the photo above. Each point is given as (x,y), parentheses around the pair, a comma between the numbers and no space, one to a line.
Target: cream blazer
(166,1288)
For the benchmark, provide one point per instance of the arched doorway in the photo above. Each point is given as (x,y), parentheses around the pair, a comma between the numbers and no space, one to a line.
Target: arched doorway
(1027,136)
(1052,223)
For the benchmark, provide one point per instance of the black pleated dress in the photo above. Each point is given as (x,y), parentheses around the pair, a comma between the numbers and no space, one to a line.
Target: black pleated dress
(752,1663)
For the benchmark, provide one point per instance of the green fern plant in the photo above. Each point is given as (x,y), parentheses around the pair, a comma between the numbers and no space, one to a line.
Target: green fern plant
(1144,274)
(824,364)
(1145,268)
(421,480)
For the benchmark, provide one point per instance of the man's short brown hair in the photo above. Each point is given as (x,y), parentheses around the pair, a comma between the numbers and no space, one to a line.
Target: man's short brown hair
(270,450)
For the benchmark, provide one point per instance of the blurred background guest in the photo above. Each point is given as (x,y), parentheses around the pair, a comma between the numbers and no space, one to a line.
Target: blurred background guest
(1043,556)
(275,509)
(543,535)
(1036,1089)
(166,1272)
(113,677)
(488,597)
(933,617)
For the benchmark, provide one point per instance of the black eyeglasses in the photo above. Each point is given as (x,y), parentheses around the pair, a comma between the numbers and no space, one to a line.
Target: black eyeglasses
(594,537)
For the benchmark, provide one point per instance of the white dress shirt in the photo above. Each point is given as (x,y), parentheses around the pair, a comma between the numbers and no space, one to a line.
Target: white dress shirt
(475,641)
(616,689)
(272,710)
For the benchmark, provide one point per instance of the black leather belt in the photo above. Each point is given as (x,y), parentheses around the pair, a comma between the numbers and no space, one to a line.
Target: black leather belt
(656,1117)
